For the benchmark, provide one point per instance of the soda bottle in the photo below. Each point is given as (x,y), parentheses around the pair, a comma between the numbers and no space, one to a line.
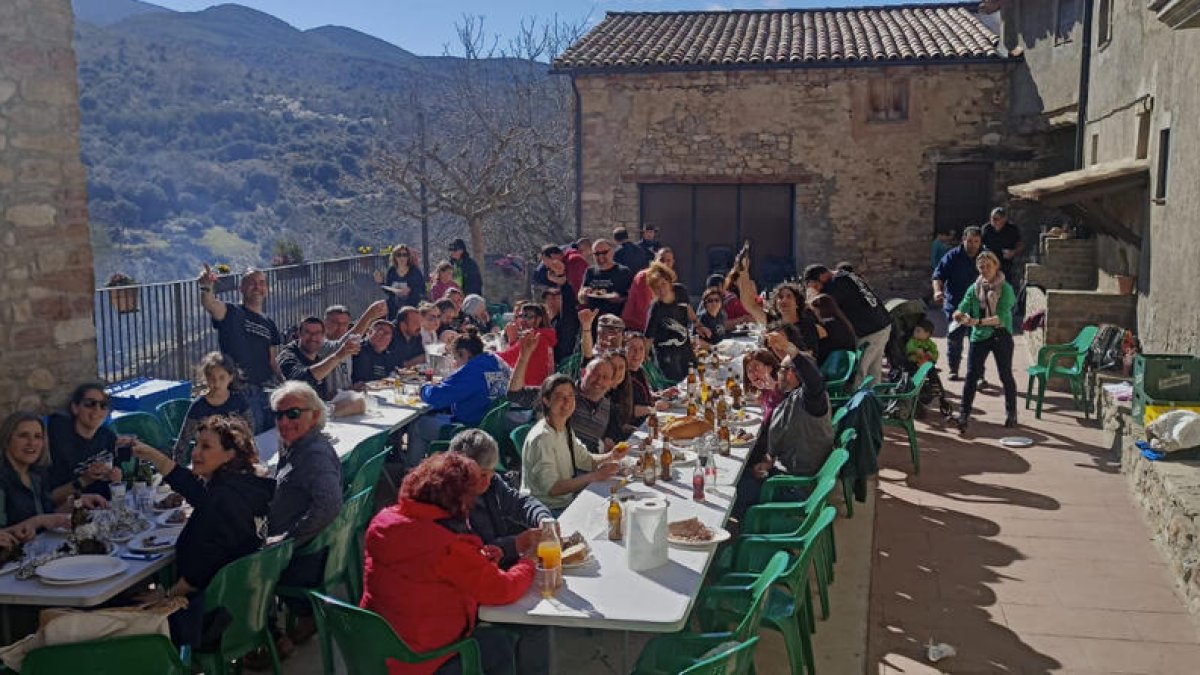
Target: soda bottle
(698,483)
(664,462)
(614,515)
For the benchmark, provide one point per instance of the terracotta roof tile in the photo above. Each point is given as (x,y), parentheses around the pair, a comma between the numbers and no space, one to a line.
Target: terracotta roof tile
(749,38)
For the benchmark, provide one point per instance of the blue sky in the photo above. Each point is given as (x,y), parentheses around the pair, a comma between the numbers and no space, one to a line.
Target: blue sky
(426,26)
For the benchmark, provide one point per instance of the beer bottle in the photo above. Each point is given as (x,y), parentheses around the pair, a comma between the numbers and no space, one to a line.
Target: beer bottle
(691,407)
(614,514)
(725,441)
(664,462)
(722,408)
(739,265)
(649,467)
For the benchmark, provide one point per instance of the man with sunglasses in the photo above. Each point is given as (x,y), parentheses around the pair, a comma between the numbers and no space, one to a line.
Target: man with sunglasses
(606,285)
(248,335)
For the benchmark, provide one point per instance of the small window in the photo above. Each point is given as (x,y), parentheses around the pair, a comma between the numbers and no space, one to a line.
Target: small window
(1067,16)
(1104,23)
(1095,148)
(888,100)
(1164,160)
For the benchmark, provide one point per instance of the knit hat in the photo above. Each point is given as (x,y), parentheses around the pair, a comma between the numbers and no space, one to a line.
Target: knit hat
(472,304)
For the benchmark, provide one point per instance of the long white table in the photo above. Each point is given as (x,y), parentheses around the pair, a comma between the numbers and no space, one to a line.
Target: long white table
(608,595)
(347,432)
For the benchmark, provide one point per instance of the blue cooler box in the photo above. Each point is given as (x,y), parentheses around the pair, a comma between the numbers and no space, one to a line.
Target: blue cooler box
(144,395)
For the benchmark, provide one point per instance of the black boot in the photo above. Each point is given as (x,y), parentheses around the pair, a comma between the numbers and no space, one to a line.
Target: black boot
(961,423)
(1010,420)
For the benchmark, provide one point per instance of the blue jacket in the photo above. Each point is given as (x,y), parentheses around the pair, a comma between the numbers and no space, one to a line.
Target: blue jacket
(471,389)
(957,272)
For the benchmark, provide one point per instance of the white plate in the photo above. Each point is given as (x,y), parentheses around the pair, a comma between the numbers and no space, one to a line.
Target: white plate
(1016,442)
(589,560)
(749,418)
(163,540)
(681,457)
(719,535)
(81,569)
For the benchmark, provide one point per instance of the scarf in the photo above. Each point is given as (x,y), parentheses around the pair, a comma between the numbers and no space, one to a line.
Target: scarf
(989,294)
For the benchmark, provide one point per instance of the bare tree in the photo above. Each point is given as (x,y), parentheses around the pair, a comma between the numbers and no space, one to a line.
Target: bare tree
(496,147)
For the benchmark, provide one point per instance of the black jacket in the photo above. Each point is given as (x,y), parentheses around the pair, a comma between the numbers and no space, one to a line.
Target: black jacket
(501,513)
(472,279)
(227,523)
(864,414)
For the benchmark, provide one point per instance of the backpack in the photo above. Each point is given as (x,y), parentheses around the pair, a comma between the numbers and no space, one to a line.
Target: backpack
(1107,351)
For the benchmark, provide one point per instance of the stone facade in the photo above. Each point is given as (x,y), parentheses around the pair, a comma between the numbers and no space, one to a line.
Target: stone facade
(864,191)
(47,334)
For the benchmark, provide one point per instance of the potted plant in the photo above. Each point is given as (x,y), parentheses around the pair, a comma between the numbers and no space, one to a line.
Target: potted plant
(367,261)
(125,292)
(1126,282)
(288,255)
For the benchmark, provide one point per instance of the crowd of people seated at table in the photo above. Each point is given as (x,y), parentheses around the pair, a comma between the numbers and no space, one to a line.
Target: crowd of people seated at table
(607,332)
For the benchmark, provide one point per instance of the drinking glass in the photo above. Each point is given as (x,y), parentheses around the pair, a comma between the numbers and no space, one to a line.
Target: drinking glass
(548,579)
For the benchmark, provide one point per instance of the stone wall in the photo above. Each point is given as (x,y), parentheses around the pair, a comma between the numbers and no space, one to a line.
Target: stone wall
(47,335)
(1067,311)
(1148,69)
(865,191)
(1066,263)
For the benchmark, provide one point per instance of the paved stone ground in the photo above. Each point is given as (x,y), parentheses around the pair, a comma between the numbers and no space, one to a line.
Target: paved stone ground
(1026,561)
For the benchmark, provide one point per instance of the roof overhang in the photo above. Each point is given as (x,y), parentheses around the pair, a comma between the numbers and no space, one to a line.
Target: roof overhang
(1178,13)
(1083,192)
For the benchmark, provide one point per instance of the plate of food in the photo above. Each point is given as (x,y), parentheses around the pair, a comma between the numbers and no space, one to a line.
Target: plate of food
(599,294)
(122,525)
(745,418)
(685,429)
(693,533)
(173,517)
(576,553)
(158,540)
(680,456)
(170,502)
(741,438)
(381,385)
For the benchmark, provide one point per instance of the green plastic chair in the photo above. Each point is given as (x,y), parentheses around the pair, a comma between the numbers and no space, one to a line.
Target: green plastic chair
(1050,364)
(838,370)
(367,642)
(737,659)
(495,425)
(838,402)
(367,475)
(570,366)
(448,431)
(366,450)
(245,588)
(173,413)
(518,436)
(341,567)
(832,468)
(148,428)
(435,447)
(655,377)
(789,604)
(366,479)
(724,612)
(125,655)
(887,392)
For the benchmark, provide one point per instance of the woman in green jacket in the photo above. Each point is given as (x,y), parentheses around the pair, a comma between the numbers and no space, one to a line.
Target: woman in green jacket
(986,308)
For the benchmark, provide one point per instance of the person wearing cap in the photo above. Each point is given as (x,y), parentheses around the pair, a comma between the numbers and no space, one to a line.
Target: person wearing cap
(628,253)
(650,240)
(866,312)
(466,270)
(610,333)
(474,313)
(1003,239)
(607,279)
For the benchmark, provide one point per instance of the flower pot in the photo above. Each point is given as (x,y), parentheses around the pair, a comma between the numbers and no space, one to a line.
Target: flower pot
(1126,284)
(125,299)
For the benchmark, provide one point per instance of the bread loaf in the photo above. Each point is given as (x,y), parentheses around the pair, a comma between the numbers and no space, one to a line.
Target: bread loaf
(576,553)
(685,428)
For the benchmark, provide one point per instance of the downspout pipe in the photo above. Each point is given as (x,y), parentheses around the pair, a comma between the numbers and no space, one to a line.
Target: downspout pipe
(578,159)
(1085,76)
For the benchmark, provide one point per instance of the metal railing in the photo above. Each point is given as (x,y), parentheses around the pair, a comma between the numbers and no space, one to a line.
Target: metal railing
(161,330)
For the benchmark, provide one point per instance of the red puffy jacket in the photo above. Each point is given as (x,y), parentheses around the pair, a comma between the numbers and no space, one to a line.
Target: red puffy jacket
(541,363)
(637,305)
(428,581)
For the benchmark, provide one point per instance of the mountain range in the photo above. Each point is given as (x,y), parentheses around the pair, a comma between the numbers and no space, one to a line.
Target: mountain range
(212,136)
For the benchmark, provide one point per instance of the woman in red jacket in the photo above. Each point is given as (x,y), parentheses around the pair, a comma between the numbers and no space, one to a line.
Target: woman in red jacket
(427,575)
(531,316)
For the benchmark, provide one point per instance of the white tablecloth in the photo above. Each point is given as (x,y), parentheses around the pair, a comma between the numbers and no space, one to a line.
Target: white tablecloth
(33,592)
(348,432)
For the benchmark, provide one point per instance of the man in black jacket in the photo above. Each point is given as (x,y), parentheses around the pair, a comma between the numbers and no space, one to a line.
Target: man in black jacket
(502,517)
(867,314)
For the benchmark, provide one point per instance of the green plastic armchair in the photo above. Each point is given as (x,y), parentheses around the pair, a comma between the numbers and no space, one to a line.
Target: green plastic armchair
(736,659)
(342,566)
(838,370)
(173,413)
(148,428)
(125,655)
(908,409)
(244,588)
(1066,361)
(724,612)
(352,464)
(367,642)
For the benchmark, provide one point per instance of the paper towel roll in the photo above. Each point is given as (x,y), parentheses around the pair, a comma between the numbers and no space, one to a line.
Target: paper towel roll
(646,535)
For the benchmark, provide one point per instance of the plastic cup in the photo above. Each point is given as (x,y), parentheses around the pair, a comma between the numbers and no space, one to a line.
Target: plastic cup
(548,579)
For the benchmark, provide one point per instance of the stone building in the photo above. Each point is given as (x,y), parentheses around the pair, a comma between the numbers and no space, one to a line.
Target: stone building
(821,135)
(47,337)
(1116,81)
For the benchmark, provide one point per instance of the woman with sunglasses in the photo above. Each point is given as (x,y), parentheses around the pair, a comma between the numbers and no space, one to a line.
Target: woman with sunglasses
(24,491)
(712,320)
(230,495)
(404,283)
(83,452)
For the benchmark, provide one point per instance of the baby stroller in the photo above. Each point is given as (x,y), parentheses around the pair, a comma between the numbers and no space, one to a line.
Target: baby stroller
(906,314)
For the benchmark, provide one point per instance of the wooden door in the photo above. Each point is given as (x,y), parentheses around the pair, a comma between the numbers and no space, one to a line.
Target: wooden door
(964,195)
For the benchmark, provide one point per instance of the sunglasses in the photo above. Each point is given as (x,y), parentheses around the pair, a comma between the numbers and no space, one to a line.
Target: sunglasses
(601,252)
(94,403)
(713,301)
(290,413)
